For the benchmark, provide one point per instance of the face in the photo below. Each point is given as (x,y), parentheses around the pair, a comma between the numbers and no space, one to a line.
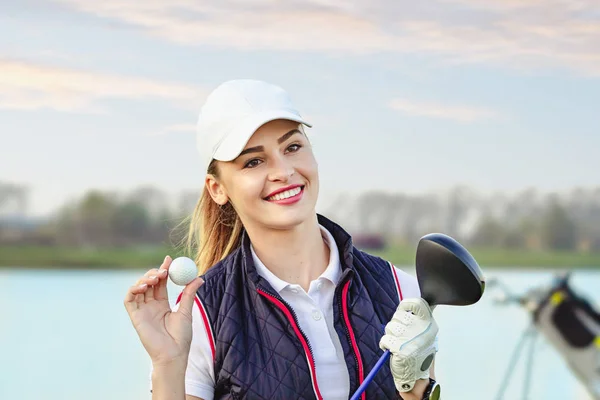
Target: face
(274,182)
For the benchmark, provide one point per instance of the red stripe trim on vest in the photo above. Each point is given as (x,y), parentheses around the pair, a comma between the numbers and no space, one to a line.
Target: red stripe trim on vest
(361,372)
(311,362)
(207,326)
(398,288)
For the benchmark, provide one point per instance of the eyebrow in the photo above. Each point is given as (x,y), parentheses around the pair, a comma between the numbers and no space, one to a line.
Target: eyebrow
(282,139)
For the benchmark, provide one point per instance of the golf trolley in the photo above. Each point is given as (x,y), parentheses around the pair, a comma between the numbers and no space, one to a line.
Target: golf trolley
(567,321)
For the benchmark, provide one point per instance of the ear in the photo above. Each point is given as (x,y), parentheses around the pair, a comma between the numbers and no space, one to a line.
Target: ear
(216,190)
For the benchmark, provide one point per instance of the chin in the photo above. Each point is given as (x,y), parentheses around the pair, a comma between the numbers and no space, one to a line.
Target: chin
(285,218)
(290,220)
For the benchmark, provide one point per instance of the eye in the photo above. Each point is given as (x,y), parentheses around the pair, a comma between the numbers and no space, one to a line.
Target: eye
(252,163)
(294,147)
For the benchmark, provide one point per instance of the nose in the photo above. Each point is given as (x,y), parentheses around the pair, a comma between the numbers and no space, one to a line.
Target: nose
(281,170)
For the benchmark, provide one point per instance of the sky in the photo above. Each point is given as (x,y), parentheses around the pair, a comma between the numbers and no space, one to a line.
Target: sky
(404,96)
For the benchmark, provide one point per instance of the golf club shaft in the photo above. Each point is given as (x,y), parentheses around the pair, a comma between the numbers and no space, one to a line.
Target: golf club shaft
(371,375)
(373,372)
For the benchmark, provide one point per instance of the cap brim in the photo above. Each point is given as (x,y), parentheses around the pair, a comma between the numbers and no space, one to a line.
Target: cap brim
(234,143)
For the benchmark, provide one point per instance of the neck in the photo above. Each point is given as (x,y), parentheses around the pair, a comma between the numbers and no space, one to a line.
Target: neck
(297,256)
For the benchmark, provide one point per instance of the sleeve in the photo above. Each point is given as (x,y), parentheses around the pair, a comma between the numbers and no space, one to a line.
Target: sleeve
(410,289)
(409,286)
(199,375)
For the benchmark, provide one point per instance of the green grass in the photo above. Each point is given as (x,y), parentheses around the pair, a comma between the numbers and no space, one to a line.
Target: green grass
(63,257)
(497,257)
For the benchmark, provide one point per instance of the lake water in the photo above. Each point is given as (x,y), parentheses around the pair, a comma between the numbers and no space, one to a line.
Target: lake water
(66,335)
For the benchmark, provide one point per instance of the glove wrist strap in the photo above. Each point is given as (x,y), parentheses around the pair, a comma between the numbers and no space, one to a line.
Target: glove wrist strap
(433,391)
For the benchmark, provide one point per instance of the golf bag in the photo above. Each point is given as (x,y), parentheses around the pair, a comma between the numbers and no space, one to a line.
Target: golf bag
(571,324)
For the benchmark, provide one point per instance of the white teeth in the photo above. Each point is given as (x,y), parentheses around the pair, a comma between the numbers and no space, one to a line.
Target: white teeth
(287,194)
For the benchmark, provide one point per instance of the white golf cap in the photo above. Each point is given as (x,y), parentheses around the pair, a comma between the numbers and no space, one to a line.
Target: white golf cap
(234,111)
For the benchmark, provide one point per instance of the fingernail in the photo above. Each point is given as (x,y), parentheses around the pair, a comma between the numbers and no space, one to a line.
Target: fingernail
(143,286)
(166,258)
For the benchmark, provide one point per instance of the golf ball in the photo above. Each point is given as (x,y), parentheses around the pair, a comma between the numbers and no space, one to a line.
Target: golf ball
(182,271)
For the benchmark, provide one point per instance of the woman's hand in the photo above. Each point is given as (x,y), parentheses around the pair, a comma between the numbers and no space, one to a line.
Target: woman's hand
(166,335)
(410,337)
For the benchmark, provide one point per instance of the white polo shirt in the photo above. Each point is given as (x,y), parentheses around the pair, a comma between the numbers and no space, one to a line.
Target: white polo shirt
(314,310)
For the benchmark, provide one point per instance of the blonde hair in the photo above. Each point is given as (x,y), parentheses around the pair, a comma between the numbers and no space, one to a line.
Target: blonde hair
(214,230)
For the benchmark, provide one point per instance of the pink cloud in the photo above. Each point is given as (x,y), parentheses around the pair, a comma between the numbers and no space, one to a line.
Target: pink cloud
(460,113)
(523,34)
(28,86)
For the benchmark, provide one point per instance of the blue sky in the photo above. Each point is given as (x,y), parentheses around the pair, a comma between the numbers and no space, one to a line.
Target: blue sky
(404,96)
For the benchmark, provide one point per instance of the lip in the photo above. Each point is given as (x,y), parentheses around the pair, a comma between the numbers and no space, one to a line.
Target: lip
(290,200)
(282,190)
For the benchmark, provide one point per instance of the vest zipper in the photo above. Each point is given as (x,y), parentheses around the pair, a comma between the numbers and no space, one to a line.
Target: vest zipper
(355,351)
(313,367)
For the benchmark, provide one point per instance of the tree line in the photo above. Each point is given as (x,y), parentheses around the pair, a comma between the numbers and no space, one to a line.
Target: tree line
(528,219)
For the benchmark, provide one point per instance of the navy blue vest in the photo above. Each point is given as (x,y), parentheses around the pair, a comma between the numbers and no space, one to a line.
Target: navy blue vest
(259,350)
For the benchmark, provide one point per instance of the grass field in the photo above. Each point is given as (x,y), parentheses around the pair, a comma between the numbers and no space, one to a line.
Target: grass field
(60,257)
(495,257)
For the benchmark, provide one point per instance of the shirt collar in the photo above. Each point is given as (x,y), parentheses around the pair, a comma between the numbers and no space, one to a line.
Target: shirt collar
(334,269)
(331,273)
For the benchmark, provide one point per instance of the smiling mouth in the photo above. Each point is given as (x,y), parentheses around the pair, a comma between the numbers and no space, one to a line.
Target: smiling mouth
(287,194)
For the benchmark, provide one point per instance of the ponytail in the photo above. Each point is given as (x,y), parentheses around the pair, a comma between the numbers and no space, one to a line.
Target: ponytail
(214,230)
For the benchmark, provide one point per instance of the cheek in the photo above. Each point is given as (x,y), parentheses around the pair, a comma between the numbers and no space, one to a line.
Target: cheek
(309,167)
(245,189)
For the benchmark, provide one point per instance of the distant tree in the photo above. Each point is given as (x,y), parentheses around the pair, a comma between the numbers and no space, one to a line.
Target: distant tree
(95,219)
(558,230)
(460,202)
(529,230)
(514,238)
(169,226)
(489,232)
(64,225)
(371,207)
(131,223)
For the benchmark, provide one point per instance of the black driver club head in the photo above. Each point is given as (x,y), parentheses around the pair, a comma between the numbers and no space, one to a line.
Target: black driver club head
(447,273)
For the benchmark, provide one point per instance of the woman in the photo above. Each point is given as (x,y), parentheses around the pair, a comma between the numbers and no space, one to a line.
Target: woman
(286,307)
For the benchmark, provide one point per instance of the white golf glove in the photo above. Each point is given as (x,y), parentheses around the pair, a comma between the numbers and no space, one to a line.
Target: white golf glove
(410,336)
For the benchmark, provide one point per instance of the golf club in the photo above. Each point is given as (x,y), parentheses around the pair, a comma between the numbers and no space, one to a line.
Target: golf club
(447,274)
